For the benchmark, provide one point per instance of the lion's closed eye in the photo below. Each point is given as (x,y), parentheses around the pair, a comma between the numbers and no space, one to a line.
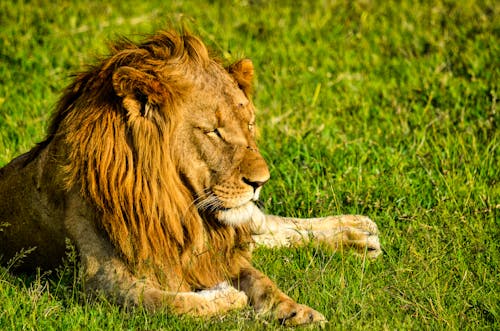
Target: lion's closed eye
(215,133)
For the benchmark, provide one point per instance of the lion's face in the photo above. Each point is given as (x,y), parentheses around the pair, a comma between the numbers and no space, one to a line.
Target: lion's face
(215,141)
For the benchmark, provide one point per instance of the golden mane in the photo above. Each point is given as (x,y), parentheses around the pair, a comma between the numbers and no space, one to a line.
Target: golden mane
(125,167)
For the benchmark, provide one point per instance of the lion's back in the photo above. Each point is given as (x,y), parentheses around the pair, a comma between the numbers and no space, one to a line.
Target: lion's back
(29,220)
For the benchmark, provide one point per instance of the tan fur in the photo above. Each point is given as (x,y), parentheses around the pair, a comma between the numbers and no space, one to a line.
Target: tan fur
(150,167)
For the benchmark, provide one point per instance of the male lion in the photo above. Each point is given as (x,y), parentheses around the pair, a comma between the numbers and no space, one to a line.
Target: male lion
(150,167)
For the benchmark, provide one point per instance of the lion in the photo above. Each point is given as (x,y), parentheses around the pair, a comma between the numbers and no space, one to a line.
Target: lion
(150,167)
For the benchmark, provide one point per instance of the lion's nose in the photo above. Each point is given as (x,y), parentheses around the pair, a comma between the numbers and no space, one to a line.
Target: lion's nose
(255,183)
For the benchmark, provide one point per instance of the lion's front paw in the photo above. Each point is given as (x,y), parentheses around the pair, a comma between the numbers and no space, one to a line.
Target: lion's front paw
(290,313)
(361,234)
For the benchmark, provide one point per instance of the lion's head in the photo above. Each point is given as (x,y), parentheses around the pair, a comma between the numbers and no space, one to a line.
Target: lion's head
(160,138)
(220,161)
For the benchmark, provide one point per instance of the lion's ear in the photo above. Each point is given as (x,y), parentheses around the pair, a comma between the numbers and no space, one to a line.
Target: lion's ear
(242,71)
(139,90)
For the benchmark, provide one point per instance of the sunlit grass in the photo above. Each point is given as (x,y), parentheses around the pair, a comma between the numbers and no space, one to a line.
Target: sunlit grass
(381,108)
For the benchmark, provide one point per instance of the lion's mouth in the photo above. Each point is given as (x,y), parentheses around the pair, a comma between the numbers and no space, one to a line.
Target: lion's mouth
(237,215)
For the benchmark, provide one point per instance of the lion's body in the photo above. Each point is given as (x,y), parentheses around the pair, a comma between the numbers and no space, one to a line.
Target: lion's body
(31,209)
(150,167)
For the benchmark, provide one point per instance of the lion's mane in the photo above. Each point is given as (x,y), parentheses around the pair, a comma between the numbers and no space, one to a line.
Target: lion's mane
(126,169)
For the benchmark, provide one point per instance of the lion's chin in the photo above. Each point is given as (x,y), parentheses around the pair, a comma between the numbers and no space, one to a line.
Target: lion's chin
(236,216)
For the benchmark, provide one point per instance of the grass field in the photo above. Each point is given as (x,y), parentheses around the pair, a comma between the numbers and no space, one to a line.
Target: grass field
(381,108)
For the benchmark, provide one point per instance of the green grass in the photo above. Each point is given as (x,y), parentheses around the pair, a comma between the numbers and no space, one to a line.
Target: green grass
(382,108)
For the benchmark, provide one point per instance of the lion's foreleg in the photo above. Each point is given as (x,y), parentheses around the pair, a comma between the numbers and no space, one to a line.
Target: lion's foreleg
(266,297)
(105,273)
(115,282)
(209,302)
(345,231)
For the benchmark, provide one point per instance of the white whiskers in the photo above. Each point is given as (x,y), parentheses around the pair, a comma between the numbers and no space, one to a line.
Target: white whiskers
(208,203)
